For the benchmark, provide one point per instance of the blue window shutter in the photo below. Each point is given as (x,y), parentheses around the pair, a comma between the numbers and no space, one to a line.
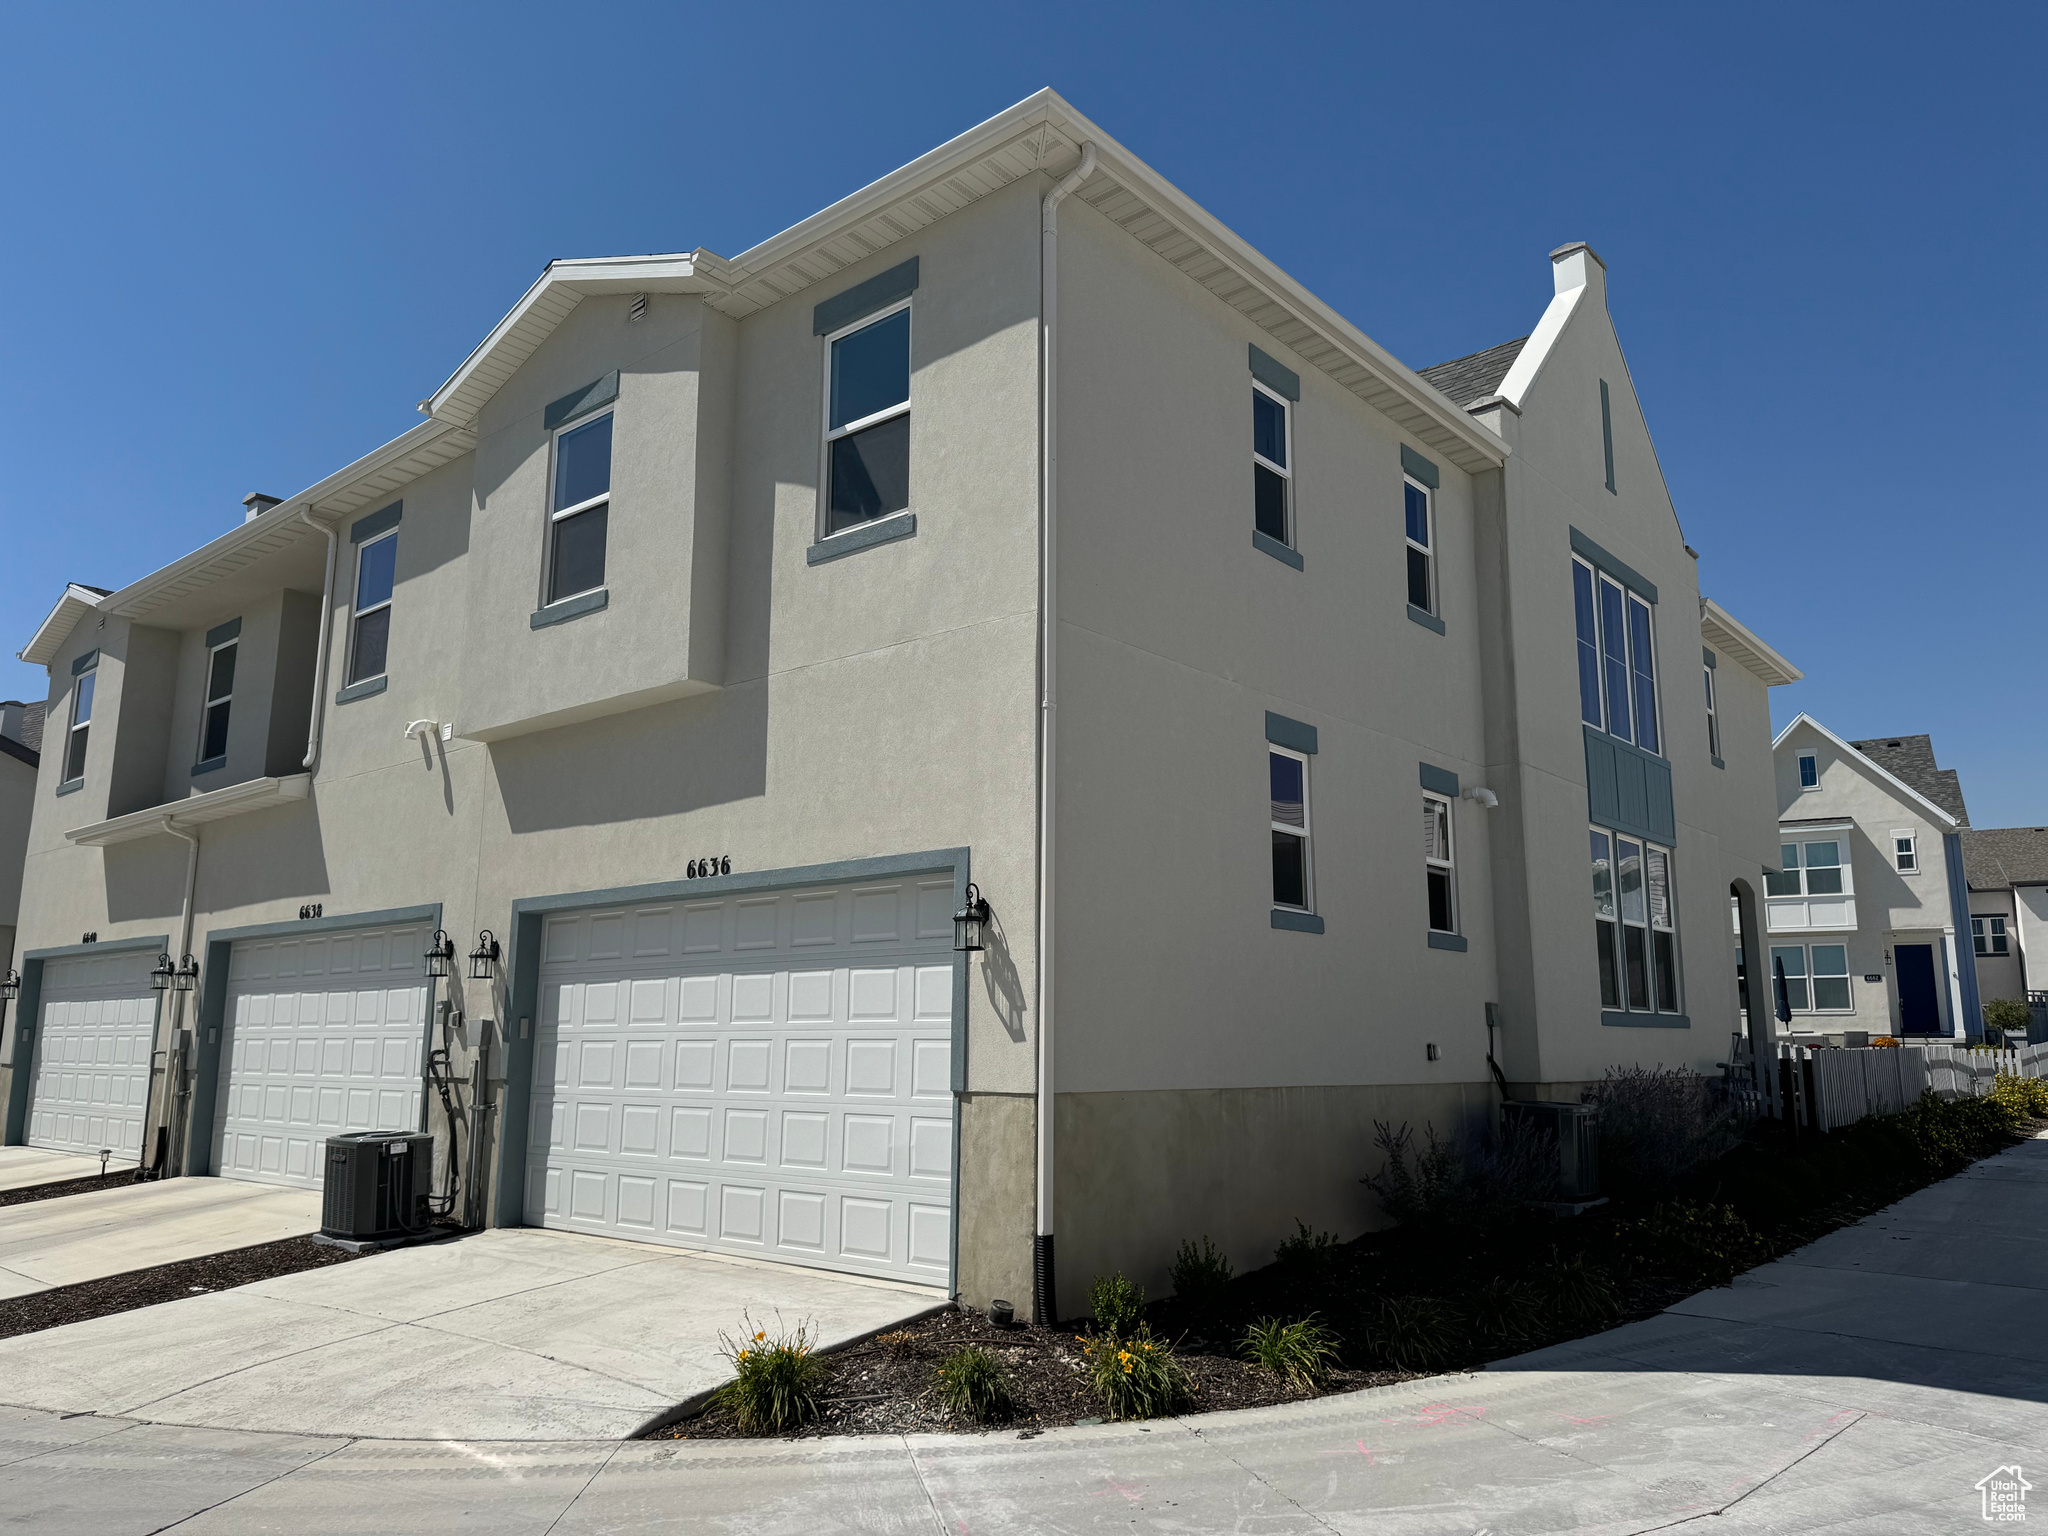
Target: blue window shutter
(1439,781)
(1292,734)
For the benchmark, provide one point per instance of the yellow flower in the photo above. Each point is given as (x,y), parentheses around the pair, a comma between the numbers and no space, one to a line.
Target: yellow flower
(761,1335)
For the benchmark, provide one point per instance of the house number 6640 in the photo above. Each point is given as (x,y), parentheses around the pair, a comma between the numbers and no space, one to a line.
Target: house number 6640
(704,869)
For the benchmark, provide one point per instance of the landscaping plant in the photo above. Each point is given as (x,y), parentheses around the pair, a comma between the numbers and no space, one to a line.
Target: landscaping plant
(775,1381)
(1302,1351)
(1307,1249)
(2010,1016)
(1656,1126)
(1199,1273)
(971,1382)
(1576,1291)
(1136,1377)
(1118,1304)
(1415,1333)
(1707,1242)
(2023,1096)
(1506,1311)
(1482,1182)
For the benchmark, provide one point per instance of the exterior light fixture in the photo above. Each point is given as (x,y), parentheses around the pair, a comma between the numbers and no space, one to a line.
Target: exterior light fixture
(160,977)
(186,977)
(10,988)
(970,922)
(440,951)
(483,960)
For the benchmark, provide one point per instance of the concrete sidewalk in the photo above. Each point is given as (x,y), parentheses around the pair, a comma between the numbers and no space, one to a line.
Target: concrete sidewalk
(137,1226)
(1832,1391)
(22,1167)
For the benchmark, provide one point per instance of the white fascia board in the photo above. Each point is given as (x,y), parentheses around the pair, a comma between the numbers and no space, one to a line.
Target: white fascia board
(281,523)
(193,811)
(1737,640)
(1934,811)
(74,605)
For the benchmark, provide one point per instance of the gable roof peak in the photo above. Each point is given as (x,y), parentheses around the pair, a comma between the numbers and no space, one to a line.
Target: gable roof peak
(1578,265)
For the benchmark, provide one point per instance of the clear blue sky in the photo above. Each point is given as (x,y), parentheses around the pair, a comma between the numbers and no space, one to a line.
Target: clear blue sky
(240,242)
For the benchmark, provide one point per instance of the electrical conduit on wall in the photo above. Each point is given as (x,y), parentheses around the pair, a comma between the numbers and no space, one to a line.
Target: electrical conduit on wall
(1044,1295)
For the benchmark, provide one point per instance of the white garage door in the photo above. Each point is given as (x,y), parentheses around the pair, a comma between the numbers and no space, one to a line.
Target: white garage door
(91,1081)
(324,1035)
(768,1075)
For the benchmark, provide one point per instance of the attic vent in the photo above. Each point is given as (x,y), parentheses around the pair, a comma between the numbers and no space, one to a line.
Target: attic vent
(1891,743)
(639,309)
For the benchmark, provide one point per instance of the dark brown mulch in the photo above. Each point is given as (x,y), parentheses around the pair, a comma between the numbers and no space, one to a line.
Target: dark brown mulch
(884,1386)
(166,1282)
(66,1187)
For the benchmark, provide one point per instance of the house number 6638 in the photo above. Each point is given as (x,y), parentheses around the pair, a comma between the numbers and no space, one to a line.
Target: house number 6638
(704,869)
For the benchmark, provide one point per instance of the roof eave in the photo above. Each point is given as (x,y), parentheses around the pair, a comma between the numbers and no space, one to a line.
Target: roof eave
(1743,644)
(74,605)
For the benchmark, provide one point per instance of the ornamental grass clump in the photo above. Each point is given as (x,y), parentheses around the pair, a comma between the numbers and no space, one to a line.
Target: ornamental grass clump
(1118,1304)
(1506,1311)
(1136,1377)
(1199,1273)
(971,1382)
(1415,1333)
(1575,1291)
(775,1382)
(1304,1352)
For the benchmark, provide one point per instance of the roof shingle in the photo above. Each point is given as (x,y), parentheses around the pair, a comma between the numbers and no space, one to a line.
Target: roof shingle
(1474,377)
(1910,759)
(1998,858)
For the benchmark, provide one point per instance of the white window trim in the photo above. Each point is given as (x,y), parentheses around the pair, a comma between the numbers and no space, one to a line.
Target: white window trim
(832,434)
(1905,835)
(1848,976)
(1284,471)
(77,725)
(1649,925)
(1429,527)
(589,503)
(1601,579)
(1846,866)
(1804,787)
(1448,865)
(357,615)
(1306,831)
(207,703)
(1980,929)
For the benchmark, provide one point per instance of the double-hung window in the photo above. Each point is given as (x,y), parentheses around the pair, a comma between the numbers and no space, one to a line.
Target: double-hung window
(81,724)
(1617,658)
(220,698)
(1288,773)
(1906,851)
(1809,771)
(376,569)
(1421,544)
(580,508)
(1437,864)
(1816,977)
(1988,936)
(867,421)
(1635,924)
(1272,476)
(1713,716)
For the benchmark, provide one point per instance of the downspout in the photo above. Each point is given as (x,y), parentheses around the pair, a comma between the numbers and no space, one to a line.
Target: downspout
(320,657)
(1044,1299)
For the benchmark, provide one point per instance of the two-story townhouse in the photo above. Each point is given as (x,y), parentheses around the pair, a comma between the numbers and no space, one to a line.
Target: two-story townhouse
(666,705)
(1867,911)
(21,743)
(2006,870)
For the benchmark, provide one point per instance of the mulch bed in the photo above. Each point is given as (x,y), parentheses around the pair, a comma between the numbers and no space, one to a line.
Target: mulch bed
(83,1186)
(1787,1191)
(166,1282)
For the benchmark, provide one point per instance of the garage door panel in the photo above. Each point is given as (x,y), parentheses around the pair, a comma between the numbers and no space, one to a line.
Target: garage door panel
(777,1070)
(90,1073)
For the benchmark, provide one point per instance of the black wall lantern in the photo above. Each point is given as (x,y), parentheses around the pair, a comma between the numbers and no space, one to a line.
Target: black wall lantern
(971,922)
(440,951)
(10,989)
(483,960)
(160,976)
(186,977)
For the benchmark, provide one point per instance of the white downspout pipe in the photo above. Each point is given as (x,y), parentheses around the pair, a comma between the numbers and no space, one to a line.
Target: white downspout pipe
(1044,1302)
(320,656)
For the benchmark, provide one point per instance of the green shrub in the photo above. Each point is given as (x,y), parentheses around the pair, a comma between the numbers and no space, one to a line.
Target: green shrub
(1705,1242)
(1307,1249)
(1136,1377)
(1118,1304)
(1199,1273)
(1656,1126)
(2026,1096)
(1479,1183)
(971,1381)
(1506,1310)
(1415,1333)
(775,1381)
(1575,1291)
(1303,1351)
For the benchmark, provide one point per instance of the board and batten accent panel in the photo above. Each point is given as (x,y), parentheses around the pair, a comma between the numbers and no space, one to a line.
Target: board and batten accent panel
(324,1036)
(90,1088)
(758,1074)
(1628,789)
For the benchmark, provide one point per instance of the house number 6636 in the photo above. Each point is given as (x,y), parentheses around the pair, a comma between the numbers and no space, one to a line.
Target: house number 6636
(704,869)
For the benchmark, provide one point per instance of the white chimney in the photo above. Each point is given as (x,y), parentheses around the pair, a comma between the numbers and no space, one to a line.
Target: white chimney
(255,504)
(1578,265)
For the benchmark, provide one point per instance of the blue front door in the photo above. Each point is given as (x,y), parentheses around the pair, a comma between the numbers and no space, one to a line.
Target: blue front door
(1919,997)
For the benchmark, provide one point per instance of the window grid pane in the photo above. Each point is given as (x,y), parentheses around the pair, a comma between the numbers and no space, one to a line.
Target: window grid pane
(376,569)
(1641,654)
(1589,644)
(578,563)
(1614,657)
(870,370)
(583,463)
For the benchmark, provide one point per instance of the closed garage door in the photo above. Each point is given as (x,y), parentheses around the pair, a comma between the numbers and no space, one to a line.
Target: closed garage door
(93,1043)
(767,1075)
(324,1035)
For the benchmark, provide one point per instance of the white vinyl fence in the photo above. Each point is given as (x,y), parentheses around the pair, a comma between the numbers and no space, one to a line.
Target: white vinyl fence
(1831,1087)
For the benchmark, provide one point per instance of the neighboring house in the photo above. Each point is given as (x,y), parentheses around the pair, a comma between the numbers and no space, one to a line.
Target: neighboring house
(21,741)
(669,684)
(2007,869)
(1868,910)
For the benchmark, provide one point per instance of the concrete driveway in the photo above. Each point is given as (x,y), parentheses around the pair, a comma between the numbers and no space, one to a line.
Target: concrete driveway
(111,1231)
(21,1167)
(512,1334)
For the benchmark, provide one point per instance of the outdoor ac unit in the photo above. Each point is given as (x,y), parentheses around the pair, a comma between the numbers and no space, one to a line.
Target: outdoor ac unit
(377,1184)
(1577,1130)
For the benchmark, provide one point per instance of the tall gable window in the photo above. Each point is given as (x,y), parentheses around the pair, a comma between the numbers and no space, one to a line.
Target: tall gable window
(220,699)
(376,569)
(1272,476)
(81,718)
(1713,716)
(867,421)
(1617,658)
(580,508)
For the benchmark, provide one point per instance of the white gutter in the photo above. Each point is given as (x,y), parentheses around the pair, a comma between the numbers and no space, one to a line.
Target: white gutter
(320,660)
(1044,1305)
